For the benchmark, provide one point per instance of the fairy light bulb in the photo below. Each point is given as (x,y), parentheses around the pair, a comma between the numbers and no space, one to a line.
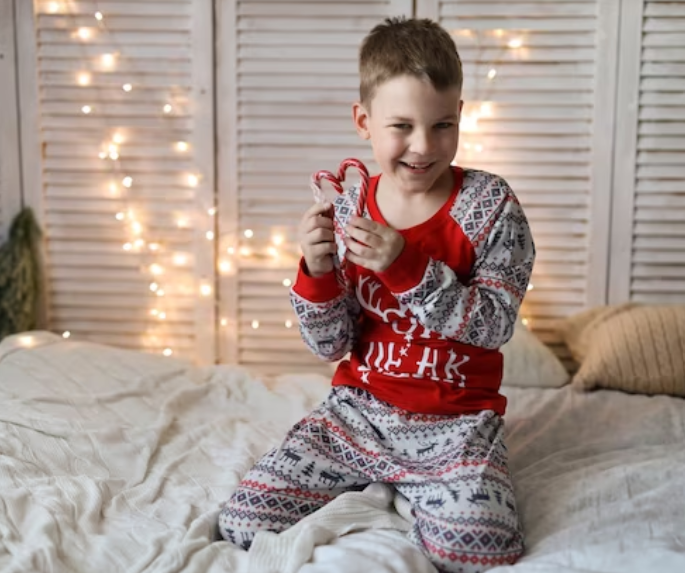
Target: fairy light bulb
(120,216)
(167,352)
(139,243)
(118,138)
(245,251)
(209,235)
(98,16)
(127,182)
(53,7)
(156,269)
(492,73)
(162,316)
(273,251)
(167,108)
(86,109)
(160,292)
(211,211)
(225,266)
(193,180)
(181,146)
(515,43)
(84,33)
(287,282)
(154,247)
(255,324)
(277,240)
(26,340)
(525,322)
(224,322)
(205,290)
(288,323)
(530,286)
(83,79)
(249,233)
(231,250)
(180,259)
(107,60)
(136,227)
(66,334)
(478,148)
(154,312)
(154,287)
(486,109)
(127,87)
(127,246)
(469,123)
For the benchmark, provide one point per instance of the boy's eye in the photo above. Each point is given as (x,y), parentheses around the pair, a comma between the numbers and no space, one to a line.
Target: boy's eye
(401,126)
(444,125)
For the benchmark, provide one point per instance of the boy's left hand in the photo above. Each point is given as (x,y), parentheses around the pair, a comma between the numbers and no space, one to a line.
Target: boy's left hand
(372,245)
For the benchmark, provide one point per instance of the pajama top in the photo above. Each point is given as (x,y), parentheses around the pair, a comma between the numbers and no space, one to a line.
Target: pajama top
(424,334)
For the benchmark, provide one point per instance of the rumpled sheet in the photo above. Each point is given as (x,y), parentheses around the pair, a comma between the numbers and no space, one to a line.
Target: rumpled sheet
(118,461)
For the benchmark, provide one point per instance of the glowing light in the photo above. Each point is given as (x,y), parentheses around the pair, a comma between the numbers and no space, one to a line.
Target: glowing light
(193,180)
(180,259)
(499,33)
(113,189)
(127,246)
(205,290)
(245,251)
(288,323)
(492,73)
(273,251)
(224,322)
(118,138)
(102,155)
(167,352)
(209,235)
(287,282)
(127,182)
(469,123)
(277,240)
(530,286)
(99,16)
(211,211)
(127,87)
(138,243)
(84,33)
(182,146)
(160,292)
(486,109)
(230,250)
(156,269)
(479,148)
(86,109)
(53,7)
(26,340)
(162,316)
(167,108)
(154,287)
(255,324)
(66,334)
(154,312)
(83,79)
(182,223)
(249,233)
(107,60)
(120,216)
(525,322)
(154,247)
(137,227)
(515,43)
(225,266)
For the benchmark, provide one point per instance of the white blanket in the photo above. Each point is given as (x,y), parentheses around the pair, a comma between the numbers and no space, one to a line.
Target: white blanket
(118,461)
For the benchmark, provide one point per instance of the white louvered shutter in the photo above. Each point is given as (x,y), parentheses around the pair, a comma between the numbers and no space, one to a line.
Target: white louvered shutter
(287,80)
(98,290)
(544,72)
(648,248)
(10,180)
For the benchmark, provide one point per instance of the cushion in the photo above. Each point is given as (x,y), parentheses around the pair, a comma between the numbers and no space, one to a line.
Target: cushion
(634,348)
(528,362)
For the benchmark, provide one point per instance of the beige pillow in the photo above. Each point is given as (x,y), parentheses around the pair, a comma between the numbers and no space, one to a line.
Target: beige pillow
(633,348)
(529,363)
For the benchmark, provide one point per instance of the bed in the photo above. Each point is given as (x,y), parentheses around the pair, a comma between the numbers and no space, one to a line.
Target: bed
(113,460)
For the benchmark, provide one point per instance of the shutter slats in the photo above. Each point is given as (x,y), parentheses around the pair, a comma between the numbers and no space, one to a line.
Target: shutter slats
(99,277)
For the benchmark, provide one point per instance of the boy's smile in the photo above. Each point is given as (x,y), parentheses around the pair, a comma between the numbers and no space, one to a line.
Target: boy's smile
(414,132)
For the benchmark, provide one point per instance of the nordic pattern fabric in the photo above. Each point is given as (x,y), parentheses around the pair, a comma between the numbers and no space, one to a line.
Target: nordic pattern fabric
(453,470)
(20,276)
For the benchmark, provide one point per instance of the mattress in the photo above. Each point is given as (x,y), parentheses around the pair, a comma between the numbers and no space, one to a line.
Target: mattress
(114,460)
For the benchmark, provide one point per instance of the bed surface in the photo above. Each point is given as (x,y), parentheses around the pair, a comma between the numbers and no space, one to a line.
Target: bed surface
(118,461)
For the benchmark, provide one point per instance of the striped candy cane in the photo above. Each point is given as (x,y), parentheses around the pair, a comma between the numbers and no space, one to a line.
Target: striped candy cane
(336,182)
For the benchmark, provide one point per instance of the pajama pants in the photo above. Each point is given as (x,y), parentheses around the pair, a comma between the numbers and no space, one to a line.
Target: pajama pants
(452,469)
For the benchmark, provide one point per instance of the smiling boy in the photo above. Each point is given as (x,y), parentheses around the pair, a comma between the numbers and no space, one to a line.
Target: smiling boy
(438,267)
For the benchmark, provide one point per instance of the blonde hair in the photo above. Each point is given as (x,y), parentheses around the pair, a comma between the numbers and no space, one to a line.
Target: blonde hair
(415,47)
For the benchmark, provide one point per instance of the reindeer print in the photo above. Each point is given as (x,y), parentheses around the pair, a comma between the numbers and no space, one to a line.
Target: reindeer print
(330,478)
(426,448)
(479,496)
(292,456)
(436,501)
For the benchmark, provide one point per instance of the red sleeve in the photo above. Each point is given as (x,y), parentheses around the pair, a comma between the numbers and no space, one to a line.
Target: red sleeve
(316,289)
(406,271)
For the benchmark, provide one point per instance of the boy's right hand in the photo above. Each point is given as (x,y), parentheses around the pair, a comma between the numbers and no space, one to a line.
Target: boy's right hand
(317,239)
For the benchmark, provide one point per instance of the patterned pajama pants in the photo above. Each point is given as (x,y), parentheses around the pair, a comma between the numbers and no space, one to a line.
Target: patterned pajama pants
(452,469)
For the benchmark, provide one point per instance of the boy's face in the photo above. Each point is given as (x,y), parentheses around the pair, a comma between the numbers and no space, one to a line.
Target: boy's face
(414,131)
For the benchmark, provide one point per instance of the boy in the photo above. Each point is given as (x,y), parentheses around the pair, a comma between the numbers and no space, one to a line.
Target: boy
(438,267)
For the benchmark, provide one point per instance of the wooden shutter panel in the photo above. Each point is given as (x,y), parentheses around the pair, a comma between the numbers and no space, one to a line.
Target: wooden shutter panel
(288,79)
(97,289)
(648,265)
(10,180)
(546,128)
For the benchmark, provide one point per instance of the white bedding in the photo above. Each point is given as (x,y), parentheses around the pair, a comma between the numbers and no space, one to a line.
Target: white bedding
(117,461)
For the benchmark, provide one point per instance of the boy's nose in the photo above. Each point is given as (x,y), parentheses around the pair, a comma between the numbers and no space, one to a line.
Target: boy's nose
(422,143)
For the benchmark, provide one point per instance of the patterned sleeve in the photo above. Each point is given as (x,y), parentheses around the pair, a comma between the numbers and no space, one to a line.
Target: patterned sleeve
(328,316)
(483,311)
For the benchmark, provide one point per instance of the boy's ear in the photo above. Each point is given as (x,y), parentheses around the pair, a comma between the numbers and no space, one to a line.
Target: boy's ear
(361,120)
